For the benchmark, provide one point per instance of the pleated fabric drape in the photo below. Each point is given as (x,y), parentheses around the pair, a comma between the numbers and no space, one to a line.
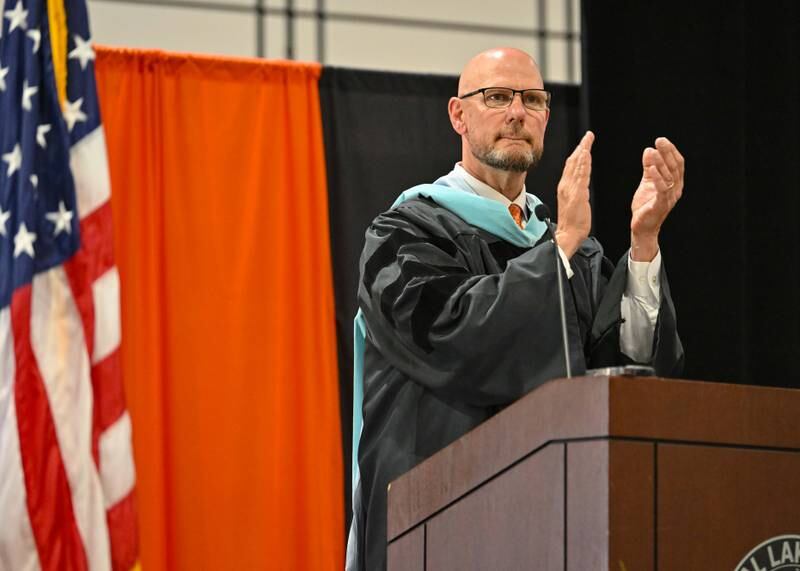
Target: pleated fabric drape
(228,344)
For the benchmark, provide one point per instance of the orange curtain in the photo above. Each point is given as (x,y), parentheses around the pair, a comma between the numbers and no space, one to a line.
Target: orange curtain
(229,358)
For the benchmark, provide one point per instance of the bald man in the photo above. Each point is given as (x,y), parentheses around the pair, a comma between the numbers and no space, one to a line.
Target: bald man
(458,295)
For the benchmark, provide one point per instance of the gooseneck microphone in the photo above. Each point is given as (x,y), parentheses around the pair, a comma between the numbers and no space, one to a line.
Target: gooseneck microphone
(543,214)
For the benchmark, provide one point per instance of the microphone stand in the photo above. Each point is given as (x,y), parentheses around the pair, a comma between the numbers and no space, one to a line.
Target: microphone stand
(543,214)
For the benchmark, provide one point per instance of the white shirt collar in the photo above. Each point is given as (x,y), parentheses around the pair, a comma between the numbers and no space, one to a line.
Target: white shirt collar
(481,188)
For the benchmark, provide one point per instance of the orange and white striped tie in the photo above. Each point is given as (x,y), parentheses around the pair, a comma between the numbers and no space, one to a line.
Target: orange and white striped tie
(516,214)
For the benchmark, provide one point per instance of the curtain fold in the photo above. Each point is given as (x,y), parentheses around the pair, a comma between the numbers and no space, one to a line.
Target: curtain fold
(229,352)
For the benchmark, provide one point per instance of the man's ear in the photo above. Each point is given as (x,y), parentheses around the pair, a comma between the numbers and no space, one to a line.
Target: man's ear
(456,112)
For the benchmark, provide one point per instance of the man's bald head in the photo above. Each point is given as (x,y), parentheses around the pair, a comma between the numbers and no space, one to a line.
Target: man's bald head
(510,63)
(498,138)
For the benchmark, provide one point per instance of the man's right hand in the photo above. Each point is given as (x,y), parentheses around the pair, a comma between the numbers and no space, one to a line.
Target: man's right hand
(574,212)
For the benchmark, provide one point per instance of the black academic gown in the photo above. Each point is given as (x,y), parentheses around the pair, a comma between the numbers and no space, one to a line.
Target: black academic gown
(459,325)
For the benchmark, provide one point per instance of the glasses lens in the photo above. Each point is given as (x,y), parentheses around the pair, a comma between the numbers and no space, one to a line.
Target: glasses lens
(535,99)
(498,97)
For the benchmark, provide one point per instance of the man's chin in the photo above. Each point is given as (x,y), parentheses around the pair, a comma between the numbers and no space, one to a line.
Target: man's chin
(509,161)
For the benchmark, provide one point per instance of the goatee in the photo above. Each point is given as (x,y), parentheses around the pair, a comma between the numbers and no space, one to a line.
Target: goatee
(509,159)
(521,161)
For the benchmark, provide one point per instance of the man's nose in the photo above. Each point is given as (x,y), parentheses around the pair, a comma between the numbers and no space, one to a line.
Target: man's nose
(516,110)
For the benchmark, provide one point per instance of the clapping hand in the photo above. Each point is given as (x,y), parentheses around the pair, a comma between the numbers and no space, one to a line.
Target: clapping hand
(659,190)
(574,211)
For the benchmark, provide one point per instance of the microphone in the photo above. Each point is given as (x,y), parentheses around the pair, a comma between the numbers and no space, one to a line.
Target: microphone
(543,213)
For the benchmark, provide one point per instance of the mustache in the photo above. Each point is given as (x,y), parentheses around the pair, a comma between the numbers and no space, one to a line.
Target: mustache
(516,132)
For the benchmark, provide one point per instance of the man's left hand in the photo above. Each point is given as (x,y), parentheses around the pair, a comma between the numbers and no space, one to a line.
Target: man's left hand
(658,192)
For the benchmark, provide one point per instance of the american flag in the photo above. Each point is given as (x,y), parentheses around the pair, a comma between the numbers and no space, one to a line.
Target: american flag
(67,478)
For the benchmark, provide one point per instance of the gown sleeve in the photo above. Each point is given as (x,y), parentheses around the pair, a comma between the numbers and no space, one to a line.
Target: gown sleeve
(478,338)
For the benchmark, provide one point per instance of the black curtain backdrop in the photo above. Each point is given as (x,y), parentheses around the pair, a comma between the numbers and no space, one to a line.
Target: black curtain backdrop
(384,133)
(720,79)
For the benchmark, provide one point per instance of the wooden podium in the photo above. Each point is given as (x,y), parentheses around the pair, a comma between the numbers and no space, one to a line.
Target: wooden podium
(617,473)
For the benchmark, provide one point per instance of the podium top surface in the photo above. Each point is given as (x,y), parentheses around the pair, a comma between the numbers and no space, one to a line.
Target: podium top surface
(646,408)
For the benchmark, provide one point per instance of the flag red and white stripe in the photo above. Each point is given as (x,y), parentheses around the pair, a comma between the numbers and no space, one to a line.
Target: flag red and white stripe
(67,477)
(66,465)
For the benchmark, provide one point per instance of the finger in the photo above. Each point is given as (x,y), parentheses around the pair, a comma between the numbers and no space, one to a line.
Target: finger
(654,158)
(662,185)
(584,172)
(578,170)
(587,141)
(584,163)
(587,163)
(569,165)
(646,157)
(671,156)
(572,159)
(576,164)
(666,149)
(669,195)
(585,144)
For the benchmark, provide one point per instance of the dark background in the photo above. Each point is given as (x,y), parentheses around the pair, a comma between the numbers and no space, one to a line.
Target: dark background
(720,79)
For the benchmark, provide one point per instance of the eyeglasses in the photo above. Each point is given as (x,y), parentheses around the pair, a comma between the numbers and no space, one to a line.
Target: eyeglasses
(502,97)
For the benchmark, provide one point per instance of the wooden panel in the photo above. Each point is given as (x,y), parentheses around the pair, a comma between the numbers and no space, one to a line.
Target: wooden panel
(716,504)
(407,553)
(680,410)
(587,505)
(515,521)
(609,505)
(631,506)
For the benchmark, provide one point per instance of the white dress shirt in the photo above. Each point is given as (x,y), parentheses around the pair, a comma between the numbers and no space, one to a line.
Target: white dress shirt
(641,299)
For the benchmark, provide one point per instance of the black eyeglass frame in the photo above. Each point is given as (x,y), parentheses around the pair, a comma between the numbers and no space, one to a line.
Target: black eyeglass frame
(521,92)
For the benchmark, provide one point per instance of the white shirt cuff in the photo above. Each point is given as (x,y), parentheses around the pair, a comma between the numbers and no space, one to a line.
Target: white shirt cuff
(639,309)
(644,279)
(565,261)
